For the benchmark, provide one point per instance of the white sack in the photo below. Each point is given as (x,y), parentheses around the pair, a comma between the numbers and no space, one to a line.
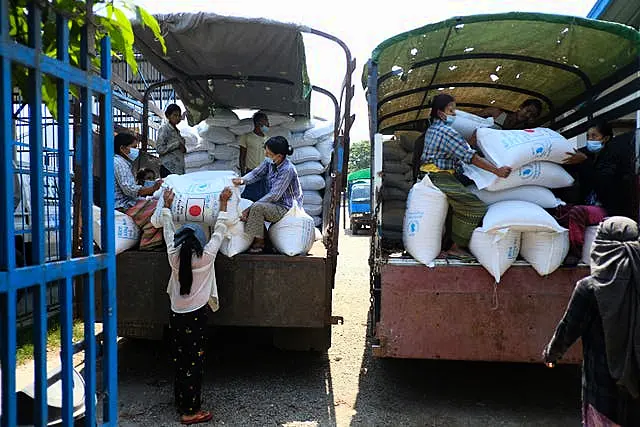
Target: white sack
(236,241)
(545,251)
(467,123)
(127,232)
(325,148)
(589,237)
(312,182)
(309,168)
(518,147)
(215,134)
(543,174)
(279,131)
(300,124)
(277,119)
(519,216)
(305,154)
(226,152)
(298,140)
(203,145)
(196,159)
(424,221)
(312,197)
(191,137)
(496,251)
(224,165)
(294,234)
(197,196)
(312,209)
(321,128)
(243,127)
(223,117)
(541,196)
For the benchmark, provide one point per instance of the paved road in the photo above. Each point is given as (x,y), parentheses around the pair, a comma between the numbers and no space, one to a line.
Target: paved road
(256,385)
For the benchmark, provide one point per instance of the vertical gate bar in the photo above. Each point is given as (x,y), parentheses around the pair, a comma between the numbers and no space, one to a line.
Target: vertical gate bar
(88,290)
(64,238)
(109,316)
(8,302)
(7,247)
(7,250)
(38,219)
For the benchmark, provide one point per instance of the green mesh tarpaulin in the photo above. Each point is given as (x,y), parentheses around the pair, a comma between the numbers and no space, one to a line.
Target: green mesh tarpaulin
(500,61)
(359,174)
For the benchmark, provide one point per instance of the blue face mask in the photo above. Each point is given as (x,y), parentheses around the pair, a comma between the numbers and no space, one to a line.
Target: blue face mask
(594,146)
(264,129)
(450,120)
(133,154)
(269,160)
(149,183)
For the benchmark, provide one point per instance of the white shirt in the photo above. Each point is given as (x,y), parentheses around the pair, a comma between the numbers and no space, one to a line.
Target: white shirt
(203,287)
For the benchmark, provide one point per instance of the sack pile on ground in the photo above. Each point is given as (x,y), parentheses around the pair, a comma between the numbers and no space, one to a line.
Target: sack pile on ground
(397,180)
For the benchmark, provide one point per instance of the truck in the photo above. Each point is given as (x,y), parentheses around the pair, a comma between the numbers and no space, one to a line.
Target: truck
(581,70)
(359,200)
(255,64)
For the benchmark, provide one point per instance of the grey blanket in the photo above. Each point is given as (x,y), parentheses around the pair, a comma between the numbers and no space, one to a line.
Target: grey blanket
(615,268)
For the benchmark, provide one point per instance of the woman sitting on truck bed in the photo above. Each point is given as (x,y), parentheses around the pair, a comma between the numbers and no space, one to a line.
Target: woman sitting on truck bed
(284,190)
(604,174)
(444,151)
(129,196)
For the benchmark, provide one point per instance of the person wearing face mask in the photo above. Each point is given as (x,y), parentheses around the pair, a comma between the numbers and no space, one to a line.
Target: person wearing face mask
(602,171)
(252,154)
(170,145)
(284,190)
(444,152)
(528,112)
(146,177)
(130,197)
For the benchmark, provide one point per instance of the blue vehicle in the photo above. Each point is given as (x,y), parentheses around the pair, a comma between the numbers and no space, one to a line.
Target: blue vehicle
(359,202)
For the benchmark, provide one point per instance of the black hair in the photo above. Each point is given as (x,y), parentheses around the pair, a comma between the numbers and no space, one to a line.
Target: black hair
(185,274)
(279,145)
(172,108)
(439,103)
(604,128)
(141,174)
(123,139)
(257,117)
(534,103)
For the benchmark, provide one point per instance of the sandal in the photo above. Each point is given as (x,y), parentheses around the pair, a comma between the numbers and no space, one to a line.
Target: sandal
(256,250)
(200,417)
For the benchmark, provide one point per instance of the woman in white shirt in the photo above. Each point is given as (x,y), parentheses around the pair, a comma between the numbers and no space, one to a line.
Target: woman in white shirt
(192,288)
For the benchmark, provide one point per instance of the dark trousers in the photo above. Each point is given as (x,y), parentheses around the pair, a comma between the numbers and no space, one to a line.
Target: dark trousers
(255,191)
(164,172)
(188,342)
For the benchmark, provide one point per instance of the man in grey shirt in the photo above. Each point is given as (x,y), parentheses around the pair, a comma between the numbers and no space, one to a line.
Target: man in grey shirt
(170,145)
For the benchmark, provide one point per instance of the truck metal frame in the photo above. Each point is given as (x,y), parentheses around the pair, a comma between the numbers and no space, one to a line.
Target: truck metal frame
(455,310)
(290,295)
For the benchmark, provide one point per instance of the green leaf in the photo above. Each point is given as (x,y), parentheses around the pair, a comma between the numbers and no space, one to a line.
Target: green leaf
(148,20)
(123,23)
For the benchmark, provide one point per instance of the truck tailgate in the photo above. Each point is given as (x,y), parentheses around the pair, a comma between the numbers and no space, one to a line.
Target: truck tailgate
(455,311)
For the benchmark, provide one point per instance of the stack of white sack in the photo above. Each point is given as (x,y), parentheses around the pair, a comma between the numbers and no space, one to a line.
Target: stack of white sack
(312,143)
(127,233)
(466,123)
(397,180)
(543,242)
(218,140)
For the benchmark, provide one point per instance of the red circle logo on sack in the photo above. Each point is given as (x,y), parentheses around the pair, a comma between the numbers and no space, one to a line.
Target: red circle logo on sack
(195,210)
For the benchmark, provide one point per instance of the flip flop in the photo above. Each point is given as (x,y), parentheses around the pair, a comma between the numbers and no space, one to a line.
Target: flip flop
(201,417)
(256,250)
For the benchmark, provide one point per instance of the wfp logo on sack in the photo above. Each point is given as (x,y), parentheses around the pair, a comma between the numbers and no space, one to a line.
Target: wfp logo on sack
(198,188)
(529,171)
(413,227)
(541,150)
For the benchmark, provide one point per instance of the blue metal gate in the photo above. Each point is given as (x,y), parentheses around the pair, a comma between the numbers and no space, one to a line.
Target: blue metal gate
(67,269)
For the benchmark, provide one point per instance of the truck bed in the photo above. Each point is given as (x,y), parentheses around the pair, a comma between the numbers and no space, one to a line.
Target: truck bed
(254,290)
(455,311)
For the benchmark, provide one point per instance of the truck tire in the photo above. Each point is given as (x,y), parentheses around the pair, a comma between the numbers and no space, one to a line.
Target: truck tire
(302,339)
